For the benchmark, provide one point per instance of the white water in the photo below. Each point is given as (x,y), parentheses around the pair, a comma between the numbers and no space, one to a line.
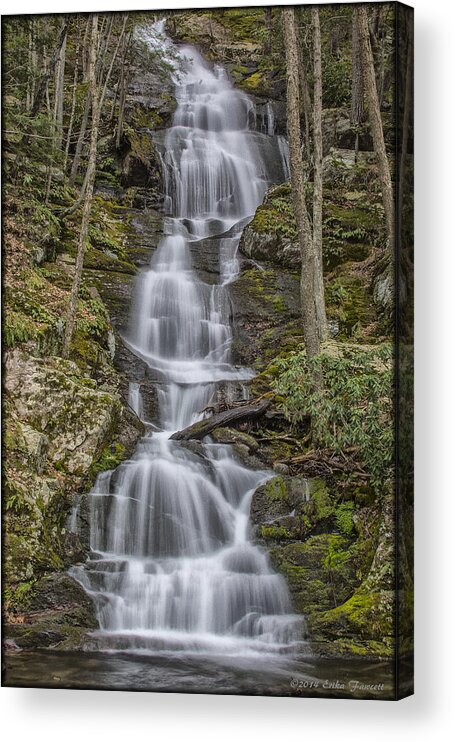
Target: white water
(172,562)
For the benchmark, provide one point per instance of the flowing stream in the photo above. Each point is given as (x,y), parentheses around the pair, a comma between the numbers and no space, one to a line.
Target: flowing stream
(172,564)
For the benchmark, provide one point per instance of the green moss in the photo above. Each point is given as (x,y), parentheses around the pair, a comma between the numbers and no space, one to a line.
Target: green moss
(275,216)
(17,599)
(344,518)
(98,260)
(255,83)
(367,615)
(274,533)
(109,458)
(275,489)
(229,435)
(349,300)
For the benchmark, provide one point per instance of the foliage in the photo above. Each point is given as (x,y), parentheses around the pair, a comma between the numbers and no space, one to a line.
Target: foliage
(336,82)
(351,407)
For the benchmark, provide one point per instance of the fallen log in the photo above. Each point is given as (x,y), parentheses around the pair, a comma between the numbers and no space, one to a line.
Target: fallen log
(234,416)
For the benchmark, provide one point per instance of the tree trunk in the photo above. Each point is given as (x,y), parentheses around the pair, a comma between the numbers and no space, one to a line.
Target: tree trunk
(357,110)
(308,264)
(85,51)
(317,194)
(305,98)
(374,115)
(104,38)
(122,94)
(69,329)
(50,68)
(199,430)
(73,99)
(59,94)
(80,139)
(85,115)
(31,64)
(114,57)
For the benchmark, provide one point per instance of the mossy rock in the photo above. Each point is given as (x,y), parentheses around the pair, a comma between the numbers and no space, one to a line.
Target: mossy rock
(277,497)
(319,571)
(232,436)
(267,315)
(257,84)
(58,611)
(367,616)
(98,260)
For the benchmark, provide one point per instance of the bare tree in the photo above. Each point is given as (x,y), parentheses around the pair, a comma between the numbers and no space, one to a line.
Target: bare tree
(40,92)
(309,262)
(357,110)
(304,96)
(73,97)
(122,93)
(59,94)
(317,182)
(88,195)
(374,115)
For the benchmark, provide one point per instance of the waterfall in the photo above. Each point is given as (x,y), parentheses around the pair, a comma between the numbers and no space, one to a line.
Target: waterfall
(172,563)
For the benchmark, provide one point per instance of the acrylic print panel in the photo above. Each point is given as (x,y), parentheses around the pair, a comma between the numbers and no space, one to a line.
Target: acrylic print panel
(207,339)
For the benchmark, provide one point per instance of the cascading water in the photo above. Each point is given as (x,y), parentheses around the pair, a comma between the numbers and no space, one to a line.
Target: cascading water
(172,563)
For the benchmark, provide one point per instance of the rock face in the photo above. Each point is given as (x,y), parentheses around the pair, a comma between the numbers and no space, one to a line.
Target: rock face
(59,426)
(329,551)
(266,313)
(59,615)
(149,107)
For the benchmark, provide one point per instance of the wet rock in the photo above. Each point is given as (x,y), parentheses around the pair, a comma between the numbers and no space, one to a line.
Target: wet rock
(195,447)
(229,435)
(59,611)
(267,314)
(271,248)
(277,497)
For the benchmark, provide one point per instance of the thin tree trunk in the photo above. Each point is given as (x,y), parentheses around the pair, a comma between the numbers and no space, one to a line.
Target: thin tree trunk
(310,327)
(73,98)
(57,117)
(101,51)
(357,110)
(317,194)
(31,65)
(85,51)
(114,57)
(85,115)
(104,38)
(69,329)
(305,97)
(374,115)
(59,94)
(80,142)
(44,81)
(122,96)
(80,139)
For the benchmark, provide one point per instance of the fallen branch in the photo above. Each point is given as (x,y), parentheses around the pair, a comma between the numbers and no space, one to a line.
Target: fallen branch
(233,416)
